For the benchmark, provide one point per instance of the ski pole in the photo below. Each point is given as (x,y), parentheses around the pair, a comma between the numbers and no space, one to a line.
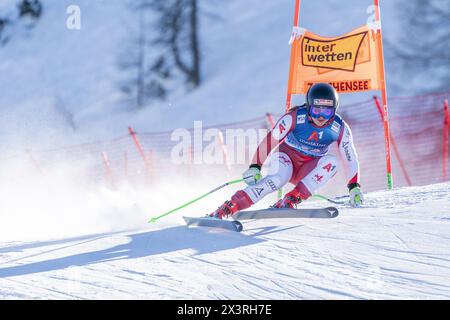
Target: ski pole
(318,196)
(154,219)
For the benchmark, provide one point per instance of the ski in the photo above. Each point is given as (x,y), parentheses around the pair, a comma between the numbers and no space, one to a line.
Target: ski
(274,213)
(214,223)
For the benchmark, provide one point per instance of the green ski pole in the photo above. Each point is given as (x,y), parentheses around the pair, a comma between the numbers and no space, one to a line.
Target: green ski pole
(154,219)
(318,196)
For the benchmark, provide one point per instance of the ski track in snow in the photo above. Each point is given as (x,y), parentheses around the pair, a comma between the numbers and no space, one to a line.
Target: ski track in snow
(395,247)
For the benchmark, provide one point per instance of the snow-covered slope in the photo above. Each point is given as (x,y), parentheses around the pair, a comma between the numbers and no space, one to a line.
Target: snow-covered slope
(396,247)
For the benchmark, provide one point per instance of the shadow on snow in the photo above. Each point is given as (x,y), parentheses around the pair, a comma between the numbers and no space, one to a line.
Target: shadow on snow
(144,244)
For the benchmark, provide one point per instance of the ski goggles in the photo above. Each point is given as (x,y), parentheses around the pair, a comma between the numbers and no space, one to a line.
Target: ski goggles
(324,112)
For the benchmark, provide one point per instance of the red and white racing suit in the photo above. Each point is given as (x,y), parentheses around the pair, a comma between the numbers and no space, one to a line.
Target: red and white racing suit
(298,152)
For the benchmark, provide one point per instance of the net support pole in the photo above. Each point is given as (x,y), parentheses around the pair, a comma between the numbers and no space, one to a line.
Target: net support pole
(382,78)
(445,141)
(292,60)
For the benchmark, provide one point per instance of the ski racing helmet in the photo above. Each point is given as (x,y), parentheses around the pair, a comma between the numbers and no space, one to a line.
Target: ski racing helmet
(322,100)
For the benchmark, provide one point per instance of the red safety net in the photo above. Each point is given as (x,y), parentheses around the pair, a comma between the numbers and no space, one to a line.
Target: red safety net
(418,134)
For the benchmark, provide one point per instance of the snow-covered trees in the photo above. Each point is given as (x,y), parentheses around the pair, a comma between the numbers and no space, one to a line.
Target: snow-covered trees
(166,50)
(32,8)
(178,23)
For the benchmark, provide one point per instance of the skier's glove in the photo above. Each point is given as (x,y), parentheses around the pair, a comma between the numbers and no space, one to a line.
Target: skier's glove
(252,174)
(356,196)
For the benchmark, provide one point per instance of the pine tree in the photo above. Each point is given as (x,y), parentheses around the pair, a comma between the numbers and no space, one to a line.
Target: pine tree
(158,59)
(32,8)
(178,35)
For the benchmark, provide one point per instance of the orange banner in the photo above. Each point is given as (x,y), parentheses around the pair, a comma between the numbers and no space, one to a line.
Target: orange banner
(347,62)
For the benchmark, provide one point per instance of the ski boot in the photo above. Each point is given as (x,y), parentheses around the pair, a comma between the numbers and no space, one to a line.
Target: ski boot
(290,200)
(227,209)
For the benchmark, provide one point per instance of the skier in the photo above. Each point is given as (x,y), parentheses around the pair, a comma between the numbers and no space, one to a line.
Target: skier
(303,136)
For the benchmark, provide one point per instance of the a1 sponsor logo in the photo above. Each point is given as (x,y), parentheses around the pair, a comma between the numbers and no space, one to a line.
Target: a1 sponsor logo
(316,136)
(329,167)
(282,127)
